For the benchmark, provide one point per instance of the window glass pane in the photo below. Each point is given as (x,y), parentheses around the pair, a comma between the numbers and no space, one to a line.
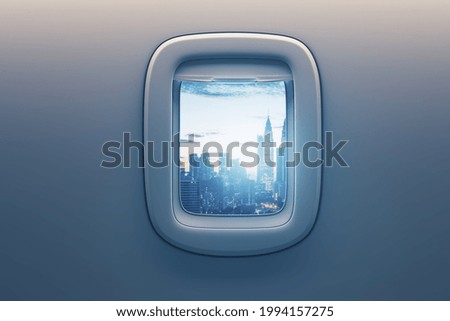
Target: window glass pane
(231,162)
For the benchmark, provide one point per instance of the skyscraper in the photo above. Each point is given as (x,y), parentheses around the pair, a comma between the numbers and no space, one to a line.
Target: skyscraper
(280,183)
(189,193)
(266,157)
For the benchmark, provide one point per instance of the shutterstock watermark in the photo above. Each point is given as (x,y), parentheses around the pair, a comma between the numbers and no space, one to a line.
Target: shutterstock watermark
(213,154)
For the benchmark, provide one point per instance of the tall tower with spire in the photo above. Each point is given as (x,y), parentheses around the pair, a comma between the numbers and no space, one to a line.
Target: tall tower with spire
(266,156)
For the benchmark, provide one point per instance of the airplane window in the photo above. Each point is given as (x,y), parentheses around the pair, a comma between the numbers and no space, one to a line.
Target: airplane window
(231,152)
(234,111)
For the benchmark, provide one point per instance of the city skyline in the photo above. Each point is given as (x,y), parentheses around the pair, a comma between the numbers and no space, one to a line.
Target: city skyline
(220,189)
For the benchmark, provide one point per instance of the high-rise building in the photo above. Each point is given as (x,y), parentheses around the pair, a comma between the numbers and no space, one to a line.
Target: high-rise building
(260,140)
(194,166)
(223,167)
(280,183)
(214,195)
(206,167)
(190,193)
(265,171)
(247,191)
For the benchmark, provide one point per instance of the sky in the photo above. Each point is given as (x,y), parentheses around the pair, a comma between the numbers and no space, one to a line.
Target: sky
(224,112)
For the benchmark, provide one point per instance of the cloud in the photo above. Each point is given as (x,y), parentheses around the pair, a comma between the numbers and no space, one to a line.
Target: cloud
(203,134)
(212,133)
(195,135)
(233,89)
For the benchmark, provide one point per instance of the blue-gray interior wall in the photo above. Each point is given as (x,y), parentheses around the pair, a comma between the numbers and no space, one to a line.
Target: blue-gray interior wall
(72,77)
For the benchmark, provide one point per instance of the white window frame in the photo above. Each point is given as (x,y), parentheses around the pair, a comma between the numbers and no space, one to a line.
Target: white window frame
(221,235)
